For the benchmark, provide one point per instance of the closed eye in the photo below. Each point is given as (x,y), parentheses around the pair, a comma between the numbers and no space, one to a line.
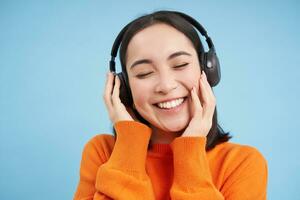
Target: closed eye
(143,75)
(180,66)
(146,74)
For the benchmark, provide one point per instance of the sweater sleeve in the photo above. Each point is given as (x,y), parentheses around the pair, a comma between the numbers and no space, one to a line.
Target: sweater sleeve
(124,175)
(192,178)
(247,179)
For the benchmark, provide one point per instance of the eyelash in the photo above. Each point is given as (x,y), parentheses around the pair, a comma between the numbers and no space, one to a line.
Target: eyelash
(176,67)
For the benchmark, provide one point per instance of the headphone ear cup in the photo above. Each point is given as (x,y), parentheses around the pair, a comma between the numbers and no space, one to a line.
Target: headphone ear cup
(212,68)
(125,93)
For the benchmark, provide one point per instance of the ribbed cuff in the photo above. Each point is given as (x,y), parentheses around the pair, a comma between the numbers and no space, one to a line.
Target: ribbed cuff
(130,150)
(190,163)
(184,145)
(188,152)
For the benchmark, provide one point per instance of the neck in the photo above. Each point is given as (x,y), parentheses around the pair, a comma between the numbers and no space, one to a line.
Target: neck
(163,137)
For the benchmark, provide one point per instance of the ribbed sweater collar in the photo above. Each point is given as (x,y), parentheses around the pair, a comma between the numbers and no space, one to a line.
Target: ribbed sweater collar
(160,149)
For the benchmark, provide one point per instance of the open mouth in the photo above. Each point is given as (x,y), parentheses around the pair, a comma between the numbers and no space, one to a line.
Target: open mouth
(171,104)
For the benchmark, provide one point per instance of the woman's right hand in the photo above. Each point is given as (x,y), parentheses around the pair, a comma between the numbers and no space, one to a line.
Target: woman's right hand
(116,109)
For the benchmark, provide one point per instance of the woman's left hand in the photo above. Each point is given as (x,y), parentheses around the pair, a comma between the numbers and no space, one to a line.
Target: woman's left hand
(202,115)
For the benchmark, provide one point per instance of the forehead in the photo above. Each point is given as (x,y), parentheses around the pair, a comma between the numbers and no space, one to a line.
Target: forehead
(157,42)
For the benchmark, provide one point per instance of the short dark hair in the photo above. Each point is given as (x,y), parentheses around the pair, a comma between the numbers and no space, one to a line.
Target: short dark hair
(216,134)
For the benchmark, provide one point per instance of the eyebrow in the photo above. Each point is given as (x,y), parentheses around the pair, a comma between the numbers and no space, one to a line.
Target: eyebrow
(147,61)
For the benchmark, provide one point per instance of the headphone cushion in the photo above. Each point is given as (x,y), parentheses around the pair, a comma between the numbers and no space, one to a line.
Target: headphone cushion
(212,68)
(125,93)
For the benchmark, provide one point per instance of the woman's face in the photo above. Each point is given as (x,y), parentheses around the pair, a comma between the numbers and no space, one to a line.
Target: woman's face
(154,79)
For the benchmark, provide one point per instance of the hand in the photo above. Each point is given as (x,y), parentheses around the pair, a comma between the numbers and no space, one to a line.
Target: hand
(116,109)
(202,115)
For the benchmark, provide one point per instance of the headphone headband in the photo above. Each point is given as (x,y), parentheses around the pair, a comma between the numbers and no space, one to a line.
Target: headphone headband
(192,21)
(209,59)
(199,27)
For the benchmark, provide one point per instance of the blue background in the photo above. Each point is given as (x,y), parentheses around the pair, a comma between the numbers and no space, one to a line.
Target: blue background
(53,60)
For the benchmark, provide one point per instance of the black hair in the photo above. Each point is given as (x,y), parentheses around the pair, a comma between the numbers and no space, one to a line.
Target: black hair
(216,134)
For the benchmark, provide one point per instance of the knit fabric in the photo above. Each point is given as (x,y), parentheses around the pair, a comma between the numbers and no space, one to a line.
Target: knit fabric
(123,168)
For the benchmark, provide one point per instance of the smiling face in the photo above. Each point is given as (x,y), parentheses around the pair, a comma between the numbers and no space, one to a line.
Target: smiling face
(162,65)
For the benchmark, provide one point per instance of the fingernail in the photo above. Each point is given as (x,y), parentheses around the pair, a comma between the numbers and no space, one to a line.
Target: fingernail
(204,75)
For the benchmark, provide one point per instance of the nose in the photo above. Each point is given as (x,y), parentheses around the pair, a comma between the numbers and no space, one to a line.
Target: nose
(165,83)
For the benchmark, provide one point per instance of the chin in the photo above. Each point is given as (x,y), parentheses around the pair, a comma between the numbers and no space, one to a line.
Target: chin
(167,123)
(171,126)
(177,128)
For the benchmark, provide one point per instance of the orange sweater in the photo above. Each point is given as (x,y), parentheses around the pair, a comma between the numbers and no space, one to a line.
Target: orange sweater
(125,169)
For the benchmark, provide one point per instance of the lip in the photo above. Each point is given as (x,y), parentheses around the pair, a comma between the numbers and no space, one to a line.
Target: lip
(166,100)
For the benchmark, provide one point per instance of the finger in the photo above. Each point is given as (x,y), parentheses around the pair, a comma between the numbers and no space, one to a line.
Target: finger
(204,92)
(199,91)
(209,102)
(196,101)
(108,91)
(210,92)
(116,92)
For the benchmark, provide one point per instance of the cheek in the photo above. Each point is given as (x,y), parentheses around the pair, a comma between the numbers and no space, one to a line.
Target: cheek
(191,78)
(140,94)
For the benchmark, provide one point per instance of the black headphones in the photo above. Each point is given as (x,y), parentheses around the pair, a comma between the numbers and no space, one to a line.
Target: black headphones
(209,60)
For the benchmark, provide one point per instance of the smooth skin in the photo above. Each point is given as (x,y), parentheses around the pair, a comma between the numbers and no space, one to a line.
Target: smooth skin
(164,81)
(201,111)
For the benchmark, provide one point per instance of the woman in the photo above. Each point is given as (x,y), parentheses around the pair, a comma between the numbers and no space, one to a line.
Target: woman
(167,144)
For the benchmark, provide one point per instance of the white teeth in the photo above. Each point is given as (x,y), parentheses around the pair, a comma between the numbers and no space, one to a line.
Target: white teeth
(171,104)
